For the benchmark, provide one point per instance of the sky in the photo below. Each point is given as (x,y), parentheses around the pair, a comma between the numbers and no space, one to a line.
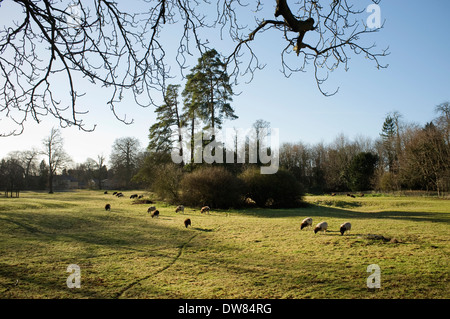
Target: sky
(416,80)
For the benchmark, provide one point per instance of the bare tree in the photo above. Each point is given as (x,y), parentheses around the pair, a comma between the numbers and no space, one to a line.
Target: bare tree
(56,156)
(443,120)
(123,48)
(124,158)
(28,159)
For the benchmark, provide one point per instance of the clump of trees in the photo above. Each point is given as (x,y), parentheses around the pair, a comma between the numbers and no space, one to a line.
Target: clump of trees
(406,156)
(279,190)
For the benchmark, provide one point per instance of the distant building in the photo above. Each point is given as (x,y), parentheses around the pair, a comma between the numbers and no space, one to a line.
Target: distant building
(65,182)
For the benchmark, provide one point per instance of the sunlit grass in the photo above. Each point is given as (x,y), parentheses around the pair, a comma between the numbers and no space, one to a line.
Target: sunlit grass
(252,253)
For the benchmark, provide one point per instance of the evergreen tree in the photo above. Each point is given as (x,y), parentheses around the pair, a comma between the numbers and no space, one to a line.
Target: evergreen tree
(388,134)
(168,123)
(361,171)
(208,91)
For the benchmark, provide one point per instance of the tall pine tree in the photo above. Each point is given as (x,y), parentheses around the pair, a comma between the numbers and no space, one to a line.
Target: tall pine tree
(168,124)
(208,91)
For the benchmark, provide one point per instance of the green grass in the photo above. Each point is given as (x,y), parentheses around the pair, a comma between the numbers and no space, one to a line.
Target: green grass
(252,253)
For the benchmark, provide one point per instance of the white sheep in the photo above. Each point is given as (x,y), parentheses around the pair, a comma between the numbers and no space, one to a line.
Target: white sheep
(205,209)
(307,222)
(179,208)
(322,226)
(345,227)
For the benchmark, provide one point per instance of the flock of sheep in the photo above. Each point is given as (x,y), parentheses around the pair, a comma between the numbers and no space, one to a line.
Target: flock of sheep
(307,222)
(323,226)
(154,212)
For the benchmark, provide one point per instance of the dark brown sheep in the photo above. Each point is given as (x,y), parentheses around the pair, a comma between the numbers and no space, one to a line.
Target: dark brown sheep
(155,213)
(108,207)
(187,222)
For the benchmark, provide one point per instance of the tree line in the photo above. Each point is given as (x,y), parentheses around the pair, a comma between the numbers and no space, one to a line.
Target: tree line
(42,168)
(404,156)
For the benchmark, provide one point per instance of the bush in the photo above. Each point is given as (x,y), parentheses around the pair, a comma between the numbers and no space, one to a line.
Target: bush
(388,182)
(167,182)
(280,190)
(213,186)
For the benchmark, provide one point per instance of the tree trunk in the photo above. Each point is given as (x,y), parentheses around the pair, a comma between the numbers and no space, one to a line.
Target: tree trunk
(50,182)
(192,139)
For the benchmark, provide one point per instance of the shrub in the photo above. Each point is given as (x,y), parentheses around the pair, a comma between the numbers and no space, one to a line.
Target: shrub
(280,190)
(213,186)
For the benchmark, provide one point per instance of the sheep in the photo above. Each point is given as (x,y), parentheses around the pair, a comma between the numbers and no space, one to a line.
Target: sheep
(307,222)
(155,213)
(187,222)
(352,196)
(106,192)
(108,207)
(205,209)
(333,194)
(115,193)
(179,208)
(322,226)
(140,196)
(345,227)
(133,196)
(150,209)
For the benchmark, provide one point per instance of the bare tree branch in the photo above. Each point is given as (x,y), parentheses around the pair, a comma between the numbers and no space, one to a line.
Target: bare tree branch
(111,47)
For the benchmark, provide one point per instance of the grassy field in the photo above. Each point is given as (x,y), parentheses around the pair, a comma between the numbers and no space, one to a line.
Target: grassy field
(253,253)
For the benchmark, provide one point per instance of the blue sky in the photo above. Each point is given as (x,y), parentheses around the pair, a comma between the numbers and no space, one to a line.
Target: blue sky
(417,79)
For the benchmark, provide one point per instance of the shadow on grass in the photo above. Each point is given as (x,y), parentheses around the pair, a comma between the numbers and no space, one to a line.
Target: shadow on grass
(206,230)
(313,210)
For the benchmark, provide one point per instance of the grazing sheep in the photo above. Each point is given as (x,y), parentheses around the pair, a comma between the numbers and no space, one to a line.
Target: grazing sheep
(140,196)
(250,202)
(108,207)
(362,195)
(179,208)
(205,209)
(150,209)
(155,213)
(133,196)
(187,222)
(345,227)
(119,194)
(115,193)
(106,192)
(348,195)
(352,196)
(333,194)
(322,226)
(307,222)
